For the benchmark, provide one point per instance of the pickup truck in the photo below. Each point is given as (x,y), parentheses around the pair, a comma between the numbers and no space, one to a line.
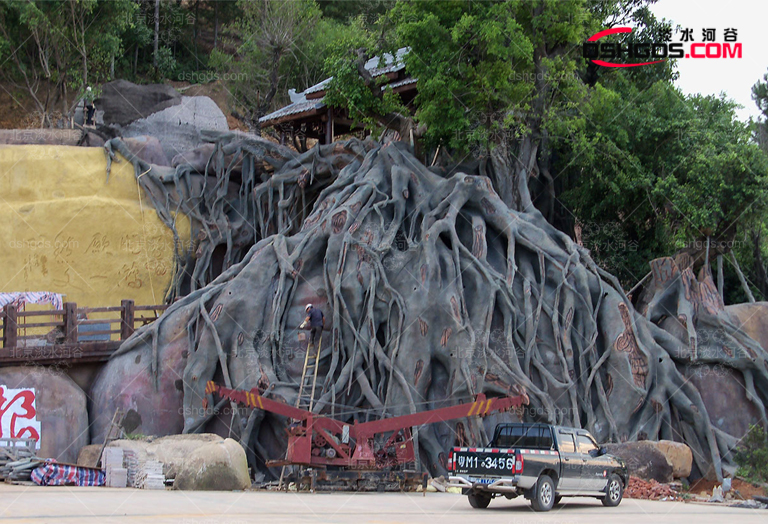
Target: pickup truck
(541,462)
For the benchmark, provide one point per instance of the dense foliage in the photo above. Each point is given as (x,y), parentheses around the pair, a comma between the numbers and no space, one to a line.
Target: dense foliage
(752,455)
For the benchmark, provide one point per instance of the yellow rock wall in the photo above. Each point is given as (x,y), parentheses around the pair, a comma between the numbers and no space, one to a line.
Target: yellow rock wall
(64,228)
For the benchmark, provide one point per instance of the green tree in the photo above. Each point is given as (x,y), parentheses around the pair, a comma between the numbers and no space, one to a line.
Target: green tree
(492,77)
(656,173)
(267,41)
(53,49)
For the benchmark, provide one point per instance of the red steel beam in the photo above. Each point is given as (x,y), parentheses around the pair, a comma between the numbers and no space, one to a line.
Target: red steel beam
(481,406)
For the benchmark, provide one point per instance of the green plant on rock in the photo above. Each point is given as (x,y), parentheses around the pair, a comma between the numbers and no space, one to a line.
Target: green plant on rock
(752,455)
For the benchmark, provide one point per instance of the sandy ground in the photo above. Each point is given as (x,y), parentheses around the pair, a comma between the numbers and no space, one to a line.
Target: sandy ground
(20,504)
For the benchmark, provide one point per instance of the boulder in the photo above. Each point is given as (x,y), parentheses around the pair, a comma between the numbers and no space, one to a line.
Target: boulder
(644,460)
(679,455)
(89,455)
(724,394)
(123,102)
(218,466)
(148,148)
(38,401)
(173,451)
(127,382)
(178,127)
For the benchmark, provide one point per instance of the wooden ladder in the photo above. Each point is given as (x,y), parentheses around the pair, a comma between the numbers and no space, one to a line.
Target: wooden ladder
(306,398)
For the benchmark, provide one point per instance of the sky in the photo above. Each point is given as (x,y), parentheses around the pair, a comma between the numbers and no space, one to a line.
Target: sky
(733,77)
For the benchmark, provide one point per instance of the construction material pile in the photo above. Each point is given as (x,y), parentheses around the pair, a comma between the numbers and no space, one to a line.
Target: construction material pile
(640,489)
(125,469)
(17,459)
(150,476)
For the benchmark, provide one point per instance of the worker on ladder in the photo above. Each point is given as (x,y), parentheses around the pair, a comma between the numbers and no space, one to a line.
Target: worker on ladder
(316,322)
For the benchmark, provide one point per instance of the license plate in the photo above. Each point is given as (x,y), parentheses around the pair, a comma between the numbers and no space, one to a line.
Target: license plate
(481,481)
(480,463)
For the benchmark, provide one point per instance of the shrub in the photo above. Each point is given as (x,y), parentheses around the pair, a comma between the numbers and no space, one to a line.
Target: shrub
(752,455)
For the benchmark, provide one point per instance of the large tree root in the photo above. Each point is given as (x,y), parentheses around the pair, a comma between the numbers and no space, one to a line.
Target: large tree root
(435,291)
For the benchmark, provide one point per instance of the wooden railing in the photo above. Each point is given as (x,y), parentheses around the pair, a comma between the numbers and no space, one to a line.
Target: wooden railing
(63,334)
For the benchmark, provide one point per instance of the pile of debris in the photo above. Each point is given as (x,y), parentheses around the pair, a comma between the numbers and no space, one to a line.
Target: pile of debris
(640,489)
(17,459)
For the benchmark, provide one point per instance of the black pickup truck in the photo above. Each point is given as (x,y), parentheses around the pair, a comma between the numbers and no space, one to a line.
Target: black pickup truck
(541,462)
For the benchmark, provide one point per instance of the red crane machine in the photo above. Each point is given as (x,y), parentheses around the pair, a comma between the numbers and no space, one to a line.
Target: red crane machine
(317,441)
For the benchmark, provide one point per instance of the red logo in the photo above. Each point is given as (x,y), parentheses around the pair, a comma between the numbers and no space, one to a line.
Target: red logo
(613,31)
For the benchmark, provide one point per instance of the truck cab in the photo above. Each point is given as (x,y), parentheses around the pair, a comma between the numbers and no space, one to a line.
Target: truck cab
(541,462)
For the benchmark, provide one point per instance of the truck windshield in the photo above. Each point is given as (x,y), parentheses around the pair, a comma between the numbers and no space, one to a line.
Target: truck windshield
(521,436)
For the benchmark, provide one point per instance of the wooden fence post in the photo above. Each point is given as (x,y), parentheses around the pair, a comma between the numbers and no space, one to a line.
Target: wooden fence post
(70,322)
(127,316)
(10,326)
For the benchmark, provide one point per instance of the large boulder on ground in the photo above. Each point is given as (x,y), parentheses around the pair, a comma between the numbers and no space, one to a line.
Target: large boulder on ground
(37,401)
(173,451)
(644,460)
(679,455)
(127,382)
(178,127)
(216,466)
(123,102)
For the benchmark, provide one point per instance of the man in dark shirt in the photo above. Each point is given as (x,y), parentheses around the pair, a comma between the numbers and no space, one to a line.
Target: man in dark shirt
(316,321)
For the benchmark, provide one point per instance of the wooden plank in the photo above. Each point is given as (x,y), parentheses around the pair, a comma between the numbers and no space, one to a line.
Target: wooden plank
(54,312)
(42,324)
(105,309)
(70,322)
(60,353)
(10,326)
(127,319)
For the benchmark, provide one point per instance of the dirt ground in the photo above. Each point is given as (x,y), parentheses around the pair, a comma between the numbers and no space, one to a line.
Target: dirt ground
(14,108)
(746,489)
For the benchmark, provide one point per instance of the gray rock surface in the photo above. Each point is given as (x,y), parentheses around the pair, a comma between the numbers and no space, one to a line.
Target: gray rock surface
(126,382)
(60,407)
(220,466)
(123,102)
(644,460)
(178,127)
(149,149)
(173,451)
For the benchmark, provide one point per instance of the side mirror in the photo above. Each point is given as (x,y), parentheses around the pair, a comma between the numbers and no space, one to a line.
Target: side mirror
(603,451)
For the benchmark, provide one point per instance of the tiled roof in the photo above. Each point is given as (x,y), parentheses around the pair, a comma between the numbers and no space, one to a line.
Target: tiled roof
(390,66)
(292,109)
(317,87)
(403,82)
(300,104)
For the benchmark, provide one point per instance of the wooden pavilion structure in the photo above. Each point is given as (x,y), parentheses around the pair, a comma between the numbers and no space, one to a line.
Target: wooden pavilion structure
(308,116)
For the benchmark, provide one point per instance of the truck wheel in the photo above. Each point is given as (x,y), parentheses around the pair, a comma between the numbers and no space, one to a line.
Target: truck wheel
(613,491)
(479,500)
(543,494)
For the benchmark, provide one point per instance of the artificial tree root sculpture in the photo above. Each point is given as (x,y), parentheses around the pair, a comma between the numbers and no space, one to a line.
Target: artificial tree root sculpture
(434,289)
